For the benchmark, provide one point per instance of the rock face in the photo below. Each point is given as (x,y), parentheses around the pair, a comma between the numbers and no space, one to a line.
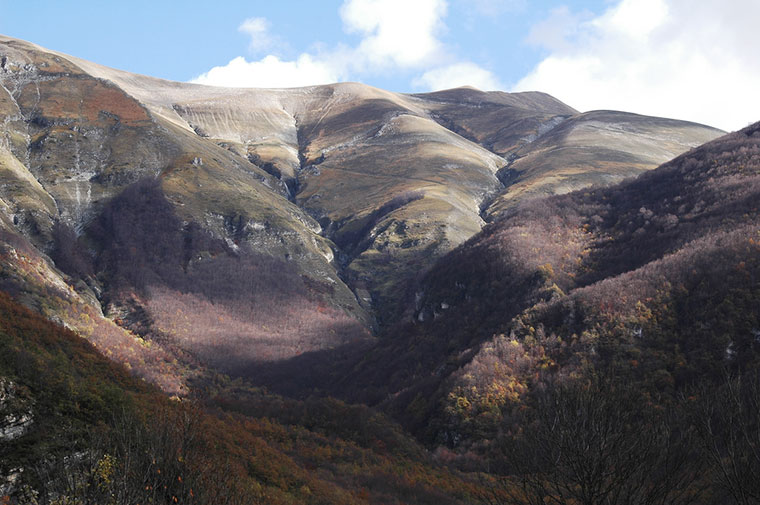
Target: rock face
(196,225)
(15,415)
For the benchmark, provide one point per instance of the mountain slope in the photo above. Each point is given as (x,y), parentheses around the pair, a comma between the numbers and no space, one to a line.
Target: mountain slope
(597,148)
(231,228)
(390,187)
(84,141)
(76,427)
(658,276)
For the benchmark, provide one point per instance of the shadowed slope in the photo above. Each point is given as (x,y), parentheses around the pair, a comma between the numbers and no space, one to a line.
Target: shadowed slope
(658,275)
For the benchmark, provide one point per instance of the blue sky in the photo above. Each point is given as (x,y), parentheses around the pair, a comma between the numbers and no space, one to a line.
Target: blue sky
(181,40)
(677,58)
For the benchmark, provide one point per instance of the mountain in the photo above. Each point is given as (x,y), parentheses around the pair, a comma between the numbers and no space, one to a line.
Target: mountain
(199,226)
(656,278)
(489,283)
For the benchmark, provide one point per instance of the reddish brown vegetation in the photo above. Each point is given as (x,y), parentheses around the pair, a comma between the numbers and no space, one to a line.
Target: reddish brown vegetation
(99,436)
(658,276)
(233,309)
(86,98)
(26,274)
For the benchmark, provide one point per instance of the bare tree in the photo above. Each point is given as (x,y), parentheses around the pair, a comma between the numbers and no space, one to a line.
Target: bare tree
(599,443)
(728,424)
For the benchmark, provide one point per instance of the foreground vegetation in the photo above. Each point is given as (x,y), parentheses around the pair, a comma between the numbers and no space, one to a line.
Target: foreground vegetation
(100,436)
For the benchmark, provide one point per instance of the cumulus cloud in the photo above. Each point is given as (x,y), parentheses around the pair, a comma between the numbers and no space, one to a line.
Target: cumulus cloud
(676,58)
(395,32)
(458,74)
(270,72)
(394,35)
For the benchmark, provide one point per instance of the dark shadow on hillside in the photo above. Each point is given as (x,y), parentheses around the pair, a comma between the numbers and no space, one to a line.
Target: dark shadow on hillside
(176,282)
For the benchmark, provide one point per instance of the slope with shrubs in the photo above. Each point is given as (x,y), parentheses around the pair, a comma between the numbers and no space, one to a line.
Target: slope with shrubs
(657,276)
(93,434)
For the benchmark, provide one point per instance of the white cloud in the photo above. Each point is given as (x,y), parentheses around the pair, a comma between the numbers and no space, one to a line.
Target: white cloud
(394,35)
(560,30)
(270,72)
(458,74)
(258,30)
(676,58)
(396,32)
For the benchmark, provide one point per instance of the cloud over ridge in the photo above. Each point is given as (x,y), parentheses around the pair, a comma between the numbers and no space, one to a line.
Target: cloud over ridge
(676,58)
(394,35)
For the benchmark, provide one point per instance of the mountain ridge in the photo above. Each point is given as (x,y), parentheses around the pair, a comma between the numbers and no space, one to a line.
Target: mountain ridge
(266,173)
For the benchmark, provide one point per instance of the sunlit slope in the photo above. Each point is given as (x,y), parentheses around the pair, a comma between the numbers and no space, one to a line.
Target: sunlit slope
(597,148)
(135,209)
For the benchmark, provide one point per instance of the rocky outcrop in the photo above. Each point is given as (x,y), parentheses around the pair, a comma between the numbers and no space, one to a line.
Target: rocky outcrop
(15,413)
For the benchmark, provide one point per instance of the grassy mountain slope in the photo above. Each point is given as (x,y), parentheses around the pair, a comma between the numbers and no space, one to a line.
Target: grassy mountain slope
(232,228)
(596,148)
(500,122)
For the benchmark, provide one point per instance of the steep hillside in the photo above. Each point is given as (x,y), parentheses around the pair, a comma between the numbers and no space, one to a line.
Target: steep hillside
(75,428)
(235,228)
(657,276)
